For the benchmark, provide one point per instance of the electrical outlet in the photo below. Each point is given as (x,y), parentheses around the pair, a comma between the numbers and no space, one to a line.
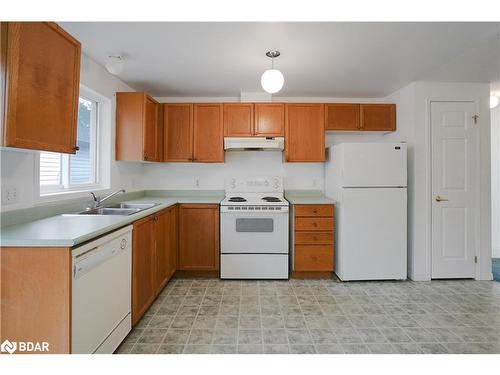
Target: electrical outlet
(315,182)
(197,182)
(9,195)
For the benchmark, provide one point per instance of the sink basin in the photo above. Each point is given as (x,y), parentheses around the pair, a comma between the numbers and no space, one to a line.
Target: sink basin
(121,209)
(110,211)
(141,206)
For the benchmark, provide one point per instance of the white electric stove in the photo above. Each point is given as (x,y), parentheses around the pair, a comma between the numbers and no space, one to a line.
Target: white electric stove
(254,229)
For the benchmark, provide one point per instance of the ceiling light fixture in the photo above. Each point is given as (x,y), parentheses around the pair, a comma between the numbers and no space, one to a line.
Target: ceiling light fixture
(272,80)
(114,64)
(493,101)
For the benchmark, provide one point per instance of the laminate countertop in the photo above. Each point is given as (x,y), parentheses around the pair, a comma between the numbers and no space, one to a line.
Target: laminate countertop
(307,197)
(69,230)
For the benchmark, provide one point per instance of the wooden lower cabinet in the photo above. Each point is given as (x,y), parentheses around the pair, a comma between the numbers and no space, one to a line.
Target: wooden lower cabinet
(35,302)
(198,237)
(154,258)
(143,266)
(313,239)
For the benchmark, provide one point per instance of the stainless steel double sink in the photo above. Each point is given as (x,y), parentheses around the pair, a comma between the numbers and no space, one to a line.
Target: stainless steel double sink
(123,209)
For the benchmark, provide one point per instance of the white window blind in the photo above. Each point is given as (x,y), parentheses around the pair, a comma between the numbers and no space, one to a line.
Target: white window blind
(62,172)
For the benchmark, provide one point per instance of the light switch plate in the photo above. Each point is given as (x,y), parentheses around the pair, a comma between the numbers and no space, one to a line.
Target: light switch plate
(9,195)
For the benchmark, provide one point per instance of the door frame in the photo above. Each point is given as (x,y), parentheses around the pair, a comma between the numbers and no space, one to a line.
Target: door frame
(428,194)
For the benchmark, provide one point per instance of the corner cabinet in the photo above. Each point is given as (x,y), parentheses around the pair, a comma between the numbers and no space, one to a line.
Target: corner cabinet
(40,68)
(198,237)
(138,133)
(304,132)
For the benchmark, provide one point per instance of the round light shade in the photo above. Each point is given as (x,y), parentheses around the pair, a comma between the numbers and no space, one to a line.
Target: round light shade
(114,64)
(272,81)
(493,101)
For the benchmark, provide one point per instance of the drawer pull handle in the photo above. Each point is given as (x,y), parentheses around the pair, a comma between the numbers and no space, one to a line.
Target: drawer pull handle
(315,211)
(315,224)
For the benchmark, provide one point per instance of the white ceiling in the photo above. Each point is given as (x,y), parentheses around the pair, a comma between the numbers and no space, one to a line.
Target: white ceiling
(317,59)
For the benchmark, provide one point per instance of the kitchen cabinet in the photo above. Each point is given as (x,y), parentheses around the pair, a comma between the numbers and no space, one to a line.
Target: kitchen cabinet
(178,132)
(342,116)
(198,237)
(208,133)
(378,117)
(238,119)
(313,228)
(154,258)
(137,127)
(166,246)
(304,132)
(40,68)
(36,296)
(269,120)
(360,117)
(143,266)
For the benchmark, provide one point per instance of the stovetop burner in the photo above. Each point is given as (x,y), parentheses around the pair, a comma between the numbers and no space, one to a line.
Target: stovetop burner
(237,199)
(271,199)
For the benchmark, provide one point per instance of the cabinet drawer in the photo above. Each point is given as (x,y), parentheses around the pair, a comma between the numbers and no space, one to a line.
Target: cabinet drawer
(314,223)
(313,258)
(314,238)
(314,210)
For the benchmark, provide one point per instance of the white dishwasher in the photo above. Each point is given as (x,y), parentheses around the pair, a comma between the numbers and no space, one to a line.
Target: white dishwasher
(101,298)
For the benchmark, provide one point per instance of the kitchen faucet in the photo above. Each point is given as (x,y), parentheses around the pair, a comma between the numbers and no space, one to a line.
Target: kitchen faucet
(98,200)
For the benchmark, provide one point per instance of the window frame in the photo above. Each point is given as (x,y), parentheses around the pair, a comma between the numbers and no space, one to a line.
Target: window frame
(66,187)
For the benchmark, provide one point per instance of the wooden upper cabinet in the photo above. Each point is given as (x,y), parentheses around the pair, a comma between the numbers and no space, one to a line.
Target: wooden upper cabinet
(269,120)
(378,117)
(178,132)
(198,237)
(342,116)
(208,133)
(238,119)
(41,64)
(304,132)
(137,121)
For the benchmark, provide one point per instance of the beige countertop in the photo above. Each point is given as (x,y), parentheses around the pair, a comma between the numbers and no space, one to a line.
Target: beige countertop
(307,197)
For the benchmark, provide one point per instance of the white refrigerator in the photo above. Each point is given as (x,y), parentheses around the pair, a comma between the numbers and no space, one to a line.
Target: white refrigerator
(368,181)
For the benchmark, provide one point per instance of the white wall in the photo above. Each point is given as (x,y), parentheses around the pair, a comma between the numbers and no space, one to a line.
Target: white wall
(495,180)
(18,167)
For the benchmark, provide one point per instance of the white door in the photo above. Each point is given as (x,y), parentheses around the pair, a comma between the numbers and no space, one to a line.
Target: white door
(455,176)
(374,164)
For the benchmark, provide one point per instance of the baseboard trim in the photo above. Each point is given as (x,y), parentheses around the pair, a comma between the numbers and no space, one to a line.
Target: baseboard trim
(196,274)
(312,275)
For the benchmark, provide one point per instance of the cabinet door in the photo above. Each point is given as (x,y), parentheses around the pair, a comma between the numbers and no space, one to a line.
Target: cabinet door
(208,133)
(269,119)
(178,132)
(162,256)
(340,116)
(150,135)
(198,237)
(304,133)
(378,117)
(173,238)
(43,70)
(143,266)
(238,119)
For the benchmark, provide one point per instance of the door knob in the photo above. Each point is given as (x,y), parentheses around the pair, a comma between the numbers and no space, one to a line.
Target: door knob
(440,199)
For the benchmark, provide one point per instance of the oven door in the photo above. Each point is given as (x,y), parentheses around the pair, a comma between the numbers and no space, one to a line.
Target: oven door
(254,233)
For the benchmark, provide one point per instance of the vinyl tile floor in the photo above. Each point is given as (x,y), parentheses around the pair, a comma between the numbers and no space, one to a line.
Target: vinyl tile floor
(320,316)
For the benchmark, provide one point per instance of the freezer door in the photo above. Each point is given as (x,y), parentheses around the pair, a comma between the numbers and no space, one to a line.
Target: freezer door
(374,164)
(372,232)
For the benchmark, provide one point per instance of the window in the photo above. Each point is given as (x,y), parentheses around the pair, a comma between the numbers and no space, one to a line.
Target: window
(63,172)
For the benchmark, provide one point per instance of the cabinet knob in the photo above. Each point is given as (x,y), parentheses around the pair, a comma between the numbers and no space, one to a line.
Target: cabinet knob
(315,224)
(315,211)
(76,148)
(145,157)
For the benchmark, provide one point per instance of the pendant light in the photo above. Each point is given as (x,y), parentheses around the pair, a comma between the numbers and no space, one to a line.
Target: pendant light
(272,80)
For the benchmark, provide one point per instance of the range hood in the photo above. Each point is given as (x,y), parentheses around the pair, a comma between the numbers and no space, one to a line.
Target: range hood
(254,144)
